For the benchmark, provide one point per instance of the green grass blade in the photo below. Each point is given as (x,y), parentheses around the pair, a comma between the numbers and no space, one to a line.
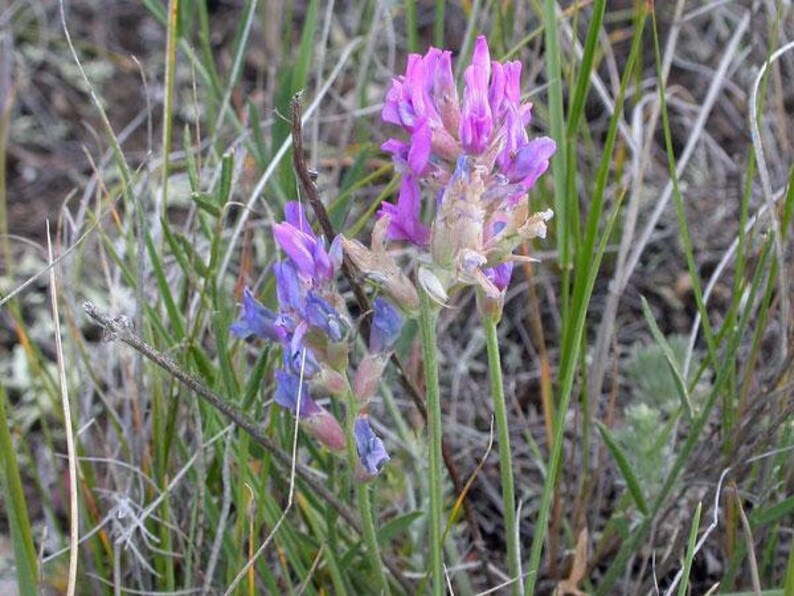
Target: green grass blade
(589,261)
(575,114)
(690,552)
(237,65)
(438,24)
(168,100)
(678,378)
(788,584)
(622,461)
(16,508)
(557,129)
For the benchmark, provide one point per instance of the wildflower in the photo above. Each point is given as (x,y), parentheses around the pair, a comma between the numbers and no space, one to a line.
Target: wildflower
(318,422)
(313,332)
(404,216)
(371,452)
(320,314)
(255,319)
(307,324)
(387,324)
(307,251)
(474,162)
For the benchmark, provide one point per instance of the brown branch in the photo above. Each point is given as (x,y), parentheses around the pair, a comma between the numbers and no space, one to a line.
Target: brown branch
(119,329)
(307,180)
(310,188)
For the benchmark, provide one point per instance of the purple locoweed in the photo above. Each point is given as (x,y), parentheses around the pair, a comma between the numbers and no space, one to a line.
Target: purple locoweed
(469,163)
(314,332)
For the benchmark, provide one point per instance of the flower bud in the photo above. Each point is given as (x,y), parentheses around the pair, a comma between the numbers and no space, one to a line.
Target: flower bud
(326,430)
(368,376)
(371,452)
(330,381)
(291,393)
(387,324)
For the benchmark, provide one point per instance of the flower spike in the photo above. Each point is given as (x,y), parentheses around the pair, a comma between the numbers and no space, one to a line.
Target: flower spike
(471,161)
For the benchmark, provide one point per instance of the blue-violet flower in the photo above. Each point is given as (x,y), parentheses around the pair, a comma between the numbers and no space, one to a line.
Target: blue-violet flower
(371,452)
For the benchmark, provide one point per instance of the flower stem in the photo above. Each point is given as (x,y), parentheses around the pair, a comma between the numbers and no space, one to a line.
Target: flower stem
(370,538)
(427,327)
(364,503)
(505,455)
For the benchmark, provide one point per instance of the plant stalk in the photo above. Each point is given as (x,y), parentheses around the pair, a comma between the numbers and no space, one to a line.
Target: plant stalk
(505,453)
(427,325)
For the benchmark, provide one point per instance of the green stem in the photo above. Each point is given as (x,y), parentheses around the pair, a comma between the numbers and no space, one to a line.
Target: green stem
(168,100)
(410,25)
(363,501)
(427,326)
(505,453)
(370,538)
(438,26)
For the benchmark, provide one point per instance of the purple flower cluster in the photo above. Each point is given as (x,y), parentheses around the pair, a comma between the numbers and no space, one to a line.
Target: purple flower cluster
(472,160)
(314,333)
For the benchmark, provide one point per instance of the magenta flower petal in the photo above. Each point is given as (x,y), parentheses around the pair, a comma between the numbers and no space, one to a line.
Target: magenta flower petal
(419,152)
(476,123)
(405,223)
(500,275)
(296,217)
(512,72)
(297,245)
(496,90)
(304,248)
(532,160)
(515,138)
(323,266)
(391,108)
(399,151)
(480,66)
(445,93)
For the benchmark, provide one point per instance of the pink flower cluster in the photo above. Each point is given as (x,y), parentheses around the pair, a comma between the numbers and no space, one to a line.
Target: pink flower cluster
(466,169)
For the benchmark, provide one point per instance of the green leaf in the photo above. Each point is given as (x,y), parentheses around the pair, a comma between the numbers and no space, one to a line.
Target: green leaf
(397,526)
(225,186)
(770,515)
(788,585)
(206,203)
(669,356)
(635,490)
(16,509)
(690,551)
